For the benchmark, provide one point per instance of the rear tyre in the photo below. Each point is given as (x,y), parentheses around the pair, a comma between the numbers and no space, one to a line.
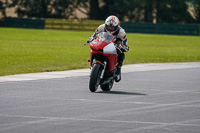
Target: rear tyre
(108,86)
(95,77)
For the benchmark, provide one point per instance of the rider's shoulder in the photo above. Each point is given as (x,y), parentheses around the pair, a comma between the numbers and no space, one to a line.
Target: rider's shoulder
(122,30)
(101,28)
(121,33)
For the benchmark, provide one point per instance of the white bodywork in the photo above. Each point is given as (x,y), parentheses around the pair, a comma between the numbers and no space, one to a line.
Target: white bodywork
(110,49)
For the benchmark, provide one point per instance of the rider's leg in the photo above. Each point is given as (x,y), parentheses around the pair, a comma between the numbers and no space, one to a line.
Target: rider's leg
(121,58)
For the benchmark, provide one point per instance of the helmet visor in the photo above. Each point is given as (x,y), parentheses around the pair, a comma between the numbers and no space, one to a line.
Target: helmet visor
(111,28)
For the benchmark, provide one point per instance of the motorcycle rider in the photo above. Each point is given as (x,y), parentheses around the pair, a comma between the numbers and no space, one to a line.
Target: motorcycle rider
(112,26)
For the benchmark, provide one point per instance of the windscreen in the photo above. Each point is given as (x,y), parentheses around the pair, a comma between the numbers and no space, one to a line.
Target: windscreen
(104,36)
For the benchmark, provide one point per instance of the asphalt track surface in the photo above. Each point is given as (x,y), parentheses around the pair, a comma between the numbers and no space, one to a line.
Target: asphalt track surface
(153,101)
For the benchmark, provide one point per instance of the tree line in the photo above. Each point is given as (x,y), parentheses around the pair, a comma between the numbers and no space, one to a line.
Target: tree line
(159,11)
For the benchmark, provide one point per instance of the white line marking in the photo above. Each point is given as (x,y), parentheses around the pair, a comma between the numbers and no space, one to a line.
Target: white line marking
(32,107)
(181,123)
(22,124)
(48,119)
(146,109)
(154,105)
(85,72)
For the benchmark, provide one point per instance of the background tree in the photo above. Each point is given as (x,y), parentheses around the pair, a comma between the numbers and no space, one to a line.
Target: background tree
(62,8)
(82,6)
(197,10)
(172,11)
(164,11)
(31,8)
(95,11)
(125,10)
(43,8)
(3,6)
(148,6)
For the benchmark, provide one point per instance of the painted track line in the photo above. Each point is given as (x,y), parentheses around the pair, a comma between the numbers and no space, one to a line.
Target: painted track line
(85,72)
(181,123)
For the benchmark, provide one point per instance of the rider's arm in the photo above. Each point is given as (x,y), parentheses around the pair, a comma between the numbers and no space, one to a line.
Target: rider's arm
(122,36)
(125,43)
(97,31)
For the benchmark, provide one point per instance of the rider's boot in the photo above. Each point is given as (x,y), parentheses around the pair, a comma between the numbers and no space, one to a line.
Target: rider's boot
(121,58)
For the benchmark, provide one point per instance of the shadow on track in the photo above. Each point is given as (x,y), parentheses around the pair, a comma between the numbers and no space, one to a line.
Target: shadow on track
(120,93)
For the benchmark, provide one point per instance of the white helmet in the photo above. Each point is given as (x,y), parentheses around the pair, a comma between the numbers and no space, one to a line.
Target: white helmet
(111,23)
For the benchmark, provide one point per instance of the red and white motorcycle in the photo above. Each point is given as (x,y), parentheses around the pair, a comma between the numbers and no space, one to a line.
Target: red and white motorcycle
(103,62)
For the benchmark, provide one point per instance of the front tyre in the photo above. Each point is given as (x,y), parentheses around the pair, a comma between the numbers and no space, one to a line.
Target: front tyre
(95,77)
(108,86)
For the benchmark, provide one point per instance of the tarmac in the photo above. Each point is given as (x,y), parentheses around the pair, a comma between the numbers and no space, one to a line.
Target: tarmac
(151,98)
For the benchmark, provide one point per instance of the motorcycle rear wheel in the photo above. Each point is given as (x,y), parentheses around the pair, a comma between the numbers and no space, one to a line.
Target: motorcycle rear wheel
(95,77)
(108,86)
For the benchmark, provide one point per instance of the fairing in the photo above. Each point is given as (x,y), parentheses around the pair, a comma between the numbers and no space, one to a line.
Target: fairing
(104,45)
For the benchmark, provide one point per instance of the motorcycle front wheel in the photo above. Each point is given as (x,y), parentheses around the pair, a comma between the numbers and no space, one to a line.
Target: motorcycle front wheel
(95,77)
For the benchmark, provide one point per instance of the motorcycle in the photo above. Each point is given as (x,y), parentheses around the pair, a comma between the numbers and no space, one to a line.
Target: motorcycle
(103,62)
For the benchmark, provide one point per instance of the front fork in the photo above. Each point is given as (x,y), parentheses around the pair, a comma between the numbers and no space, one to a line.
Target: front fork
(104,67)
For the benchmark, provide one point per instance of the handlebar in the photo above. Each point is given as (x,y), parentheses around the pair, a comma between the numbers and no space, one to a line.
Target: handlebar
(86,44)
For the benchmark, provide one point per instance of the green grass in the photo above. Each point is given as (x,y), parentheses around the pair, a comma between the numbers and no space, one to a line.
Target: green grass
(29,51)
(163,48)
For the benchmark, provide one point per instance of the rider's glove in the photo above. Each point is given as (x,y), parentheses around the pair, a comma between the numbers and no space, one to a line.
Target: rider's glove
(123,48)
(126,49)
(90,39)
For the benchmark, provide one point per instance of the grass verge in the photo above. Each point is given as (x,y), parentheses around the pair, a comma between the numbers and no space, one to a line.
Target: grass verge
(30,51)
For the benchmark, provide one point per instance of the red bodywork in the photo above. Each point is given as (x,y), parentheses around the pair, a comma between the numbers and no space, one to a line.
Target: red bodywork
(97,48)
